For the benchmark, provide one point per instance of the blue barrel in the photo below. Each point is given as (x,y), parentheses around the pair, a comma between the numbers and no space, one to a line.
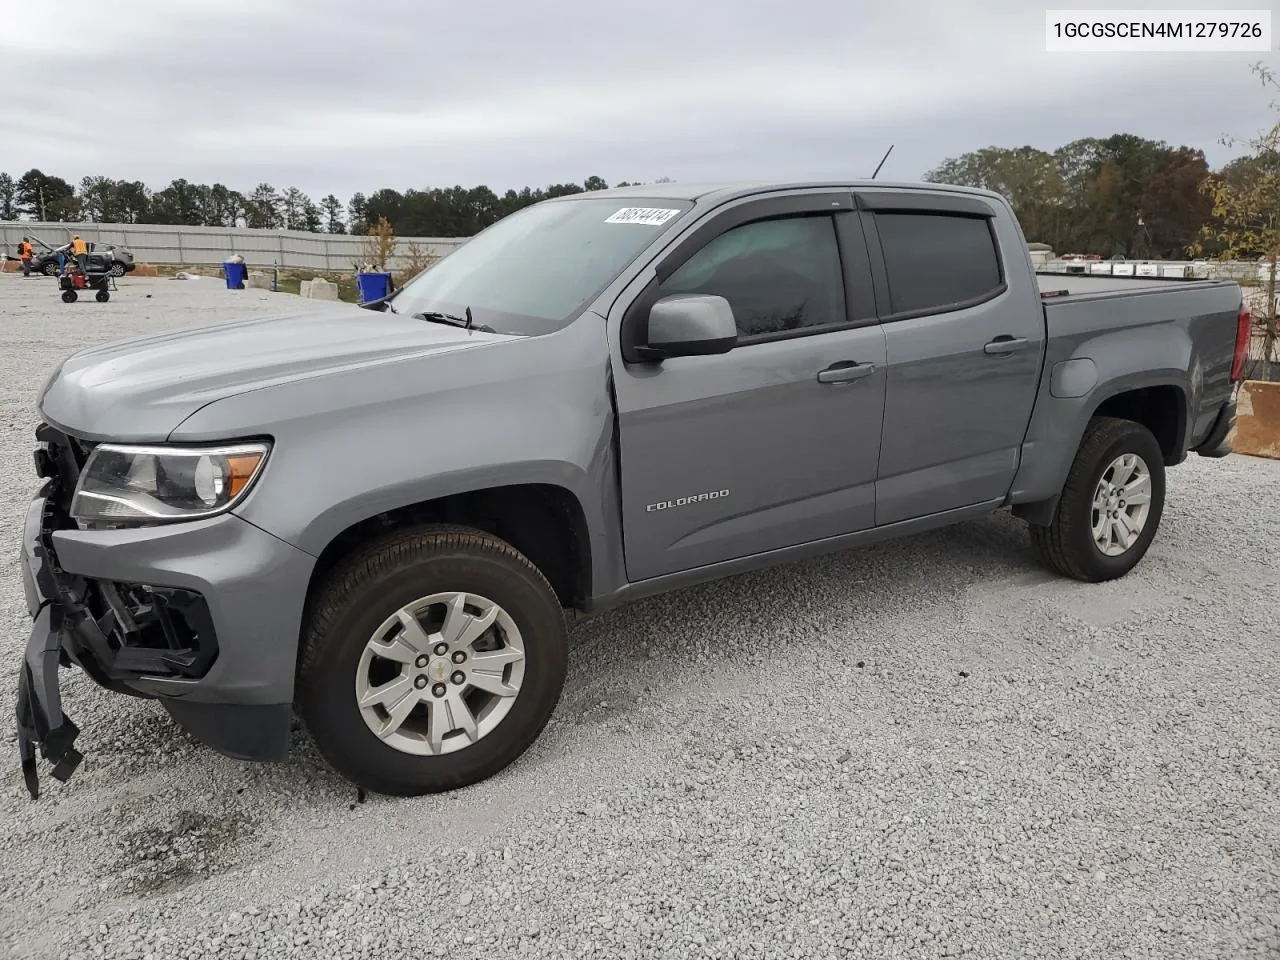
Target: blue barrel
(373,286)
(235,273)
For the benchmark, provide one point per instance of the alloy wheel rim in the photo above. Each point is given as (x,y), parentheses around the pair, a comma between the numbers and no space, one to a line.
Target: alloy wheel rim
(440,674)
(1121,505)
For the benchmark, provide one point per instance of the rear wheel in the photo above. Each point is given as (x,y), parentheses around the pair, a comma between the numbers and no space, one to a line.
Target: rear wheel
(102,296)
(1111,504)
(431,660)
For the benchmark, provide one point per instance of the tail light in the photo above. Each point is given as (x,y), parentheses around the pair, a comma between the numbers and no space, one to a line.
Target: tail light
(1244,326)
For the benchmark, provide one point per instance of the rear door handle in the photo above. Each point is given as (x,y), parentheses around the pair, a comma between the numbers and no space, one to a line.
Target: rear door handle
(846,371)
(1005,344)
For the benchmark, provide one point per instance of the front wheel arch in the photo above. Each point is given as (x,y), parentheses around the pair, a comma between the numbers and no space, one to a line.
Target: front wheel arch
(543,521)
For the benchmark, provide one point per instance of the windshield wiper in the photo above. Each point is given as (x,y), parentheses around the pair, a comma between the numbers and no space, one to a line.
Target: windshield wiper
(453,320)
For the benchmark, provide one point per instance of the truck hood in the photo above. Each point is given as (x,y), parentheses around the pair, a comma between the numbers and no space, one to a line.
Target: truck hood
(139,390)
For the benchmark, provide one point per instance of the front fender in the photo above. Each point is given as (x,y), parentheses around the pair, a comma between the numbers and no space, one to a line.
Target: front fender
(357,443)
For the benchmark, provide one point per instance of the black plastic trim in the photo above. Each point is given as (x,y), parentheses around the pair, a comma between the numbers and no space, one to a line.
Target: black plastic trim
(875,258)
(1215,443)
(859,283)
(242,731)
(924,201)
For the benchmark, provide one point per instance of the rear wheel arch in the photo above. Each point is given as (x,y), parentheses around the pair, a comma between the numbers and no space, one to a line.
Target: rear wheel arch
(1161,407)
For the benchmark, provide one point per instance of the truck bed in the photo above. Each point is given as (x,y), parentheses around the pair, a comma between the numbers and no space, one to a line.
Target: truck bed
(1185,329)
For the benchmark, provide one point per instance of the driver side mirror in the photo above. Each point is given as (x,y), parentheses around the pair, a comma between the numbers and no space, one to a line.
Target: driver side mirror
(690,325)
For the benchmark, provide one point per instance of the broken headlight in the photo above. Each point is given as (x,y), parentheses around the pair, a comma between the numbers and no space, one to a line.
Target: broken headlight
(123,485)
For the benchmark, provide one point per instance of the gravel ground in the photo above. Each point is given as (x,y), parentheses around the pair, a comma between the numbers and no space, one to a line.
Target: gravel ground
(927,748)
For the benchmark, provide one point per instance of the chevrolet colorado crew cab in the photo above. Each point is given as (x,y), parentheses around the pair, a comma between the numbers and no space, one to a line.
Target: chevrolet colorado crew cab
(379,519)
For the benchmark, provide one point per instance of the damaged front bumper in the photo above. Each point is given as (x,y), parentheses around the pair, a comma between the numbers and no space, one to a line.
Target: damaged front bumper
(41,721)
(40,718)
(203,616)
(112,631)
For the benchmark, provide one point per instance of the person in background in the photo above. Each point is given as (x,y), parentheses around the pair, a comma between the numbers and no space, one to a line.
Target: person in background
(24,254)
(81,252)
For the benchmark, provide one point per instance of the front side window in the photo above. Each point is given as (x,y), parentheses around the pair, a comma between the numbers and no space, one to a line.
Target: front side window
(935,261)
(535,270)
(778,275)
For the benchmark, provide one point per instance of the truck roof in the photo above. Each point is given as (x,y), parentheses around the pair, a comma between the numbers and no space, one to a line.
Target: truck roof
(725,190)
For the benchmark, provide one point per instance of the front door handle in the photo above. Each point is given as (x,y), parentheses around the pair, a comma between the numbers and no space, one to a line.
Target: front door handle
(846,371)
(1004,345)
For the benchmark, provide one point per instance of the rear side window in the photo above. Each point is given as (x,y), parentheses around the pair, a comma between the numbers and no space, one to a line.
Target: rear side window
(938,261)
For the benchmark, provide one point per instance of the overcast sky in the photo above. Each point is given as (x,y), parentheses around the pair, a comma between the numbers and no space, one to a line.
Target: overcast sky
(335,95)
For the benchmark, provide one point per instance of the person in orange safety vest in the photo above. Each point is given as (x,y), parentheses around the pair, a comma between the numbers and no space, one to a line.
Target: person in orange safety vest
(81,252)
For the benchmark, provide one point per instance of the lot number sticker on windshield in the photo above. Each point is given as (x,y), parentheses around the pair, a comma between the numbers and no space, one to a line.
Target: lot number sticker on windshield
(649,216)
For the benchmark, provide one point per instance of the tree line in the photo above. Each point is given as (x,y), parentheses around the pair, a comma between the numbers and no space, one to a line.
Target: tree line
(1116,196)
(436,212)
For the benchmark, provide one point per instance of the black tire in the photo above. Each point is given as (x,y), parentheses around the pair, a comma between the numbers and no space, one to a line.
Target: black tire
(102,296)
(69,296)
(370,586)
(1067,544)
(50,269)
(117,269)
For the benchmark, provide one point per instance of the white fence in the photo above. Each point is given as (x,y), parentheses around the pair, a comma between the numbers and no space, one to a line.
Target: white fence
(164,243)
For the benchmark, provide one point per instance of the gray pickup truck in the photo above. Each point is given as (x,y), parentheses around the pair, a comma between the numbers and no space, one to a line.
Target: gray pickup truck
(379,518)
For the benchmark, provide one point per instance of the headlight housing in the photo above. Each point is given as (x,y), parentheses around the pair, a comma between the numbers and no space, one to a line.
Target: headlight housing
(125,485)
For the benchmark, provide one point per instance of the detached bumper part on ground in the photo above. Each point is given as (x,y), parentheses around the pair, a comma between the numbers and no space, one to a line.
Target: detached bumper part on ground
(129,608)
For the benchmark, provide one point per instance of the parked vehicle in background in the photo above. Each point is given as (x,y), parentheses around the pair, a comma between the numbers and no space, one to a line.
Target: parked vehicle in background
(381,519)
(111,259)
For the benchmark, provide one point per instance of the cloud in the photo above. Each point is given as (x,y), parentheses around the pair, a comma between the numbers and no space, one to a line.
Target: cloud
(337,96)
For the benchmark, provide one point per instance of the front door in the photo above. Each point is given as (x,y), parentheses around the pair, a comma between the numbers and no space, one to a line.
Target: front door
(776,442)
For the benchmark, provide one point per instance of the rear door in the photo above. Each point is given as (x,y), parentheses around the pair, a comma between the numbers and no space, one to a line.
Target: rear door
(774,443)
(964,332)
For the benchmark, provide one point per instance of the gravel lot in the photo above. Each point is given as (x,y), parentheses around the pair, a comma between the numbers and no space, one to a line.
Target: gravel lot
(927,748)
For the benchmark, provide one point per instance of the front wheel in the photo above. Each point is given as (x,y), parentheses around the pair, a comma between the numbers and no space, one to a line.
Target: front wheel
(431,660)
(50,269)
(1111,504)
(117,269)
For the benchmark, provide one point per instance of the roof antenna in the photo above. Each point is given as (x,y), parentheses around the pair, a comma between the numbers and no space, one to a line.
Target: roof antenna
(882,160)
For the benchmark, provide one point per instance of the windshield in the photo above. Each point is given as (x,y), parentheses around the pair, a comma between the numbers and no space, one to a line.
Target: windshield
(534,271)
